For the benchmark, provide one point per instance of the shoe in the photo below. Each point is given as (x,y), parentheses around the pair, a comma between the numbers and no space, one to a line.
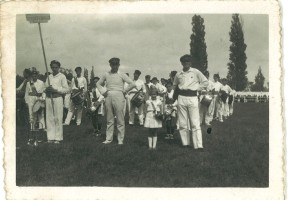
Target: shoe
(78,124)
(49,141)
(171,137)
(167,137)
(56,142)
(107,142)
(209,130)
(64,124)
(120,143)
(221,120)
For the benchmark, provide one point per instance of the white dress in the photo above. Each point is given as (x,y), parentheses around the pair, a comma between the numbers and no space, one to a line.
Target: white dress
(150,120)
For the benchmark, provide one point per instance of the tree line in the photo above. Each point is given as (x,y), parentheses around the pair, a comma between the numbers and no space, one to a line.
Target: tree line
(237,67)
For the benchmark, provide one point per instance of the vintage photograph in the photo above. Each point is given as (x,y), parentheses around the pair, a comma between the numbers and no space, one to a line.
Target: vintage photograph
(136,100)
(142,100)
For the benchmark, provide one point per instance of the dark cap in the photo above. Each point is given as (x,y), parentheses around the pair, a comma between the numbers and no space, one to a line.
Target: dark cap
(114,61)
(55,62)
(137,72)
(147,76)
(186,58)
(216,76)
(78,68)
(173,73)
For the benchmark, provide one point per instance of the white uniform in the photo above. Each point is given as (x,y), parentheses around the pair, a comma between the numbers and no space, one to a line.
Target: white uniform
(218,103)
(68,95)
(54,119)
(100,98)
(228,90)
(82,83)
(31,97)
(188,106)
(205,112)
(139,85)
(233,93)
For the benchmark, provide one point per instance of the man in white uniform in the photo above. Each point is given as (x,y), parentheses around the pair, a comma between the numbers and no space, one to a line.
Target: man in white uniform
(78,83)
(34,93)
(218,103)
(189,82)
(139,85)
(54,103)
(227,89)
(115,99)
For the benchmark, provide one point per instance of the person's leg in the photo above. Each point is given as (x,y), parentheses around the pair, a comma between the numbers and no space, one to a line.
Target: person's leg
(58,106)
(182,119)
(132,114)
(118,105)
(70,113)
(79,114)
(150,138)
(141,114)
(154,143)
(193,112)
(109,117)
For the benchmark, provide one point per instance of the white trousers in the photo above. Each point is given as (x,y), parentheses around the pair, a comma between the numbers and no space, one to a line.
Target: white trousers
(54,121)
(132,114)
(206,112)
(231,108)
(218,107)
(72,109)
(36,116)
(226,109)
(188,109)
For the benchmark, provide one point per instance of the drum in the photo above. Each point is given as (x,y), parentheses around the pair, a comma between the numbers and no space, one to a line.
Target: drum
(223,96)
(206,100)
(138,98)
(77,97)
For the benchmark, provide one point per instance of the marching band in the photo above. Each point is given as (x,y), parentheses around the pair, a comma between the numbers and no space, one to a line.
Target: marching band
(186,101)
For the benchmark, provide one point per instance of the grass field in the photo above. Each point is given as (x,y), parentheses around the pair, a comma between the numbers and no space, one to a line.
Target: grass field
(236,155)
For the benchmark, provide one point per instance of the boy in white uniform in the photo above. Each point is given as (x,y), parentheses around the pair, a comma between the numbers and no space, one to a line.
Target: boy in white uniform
(218,108)
(139,85)
(34,93)
(78,83)
(227,89)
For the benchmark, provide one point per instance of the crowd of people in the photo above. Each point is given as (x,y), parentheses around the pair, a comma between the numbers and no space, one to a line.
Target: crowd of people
(185,101)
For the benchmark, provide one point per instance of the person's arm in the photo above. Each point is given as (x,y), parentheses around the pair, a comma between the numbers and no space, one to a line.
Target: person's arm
(143,87)
(64,89)
(27,92)
(22,85)
(85,85)
(203,82)
(131,84)
(175,82)
(100,84)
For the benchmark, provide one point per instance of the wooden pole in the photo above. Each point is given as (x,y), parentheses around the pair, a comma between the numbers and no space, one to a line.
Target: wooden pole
(42,44)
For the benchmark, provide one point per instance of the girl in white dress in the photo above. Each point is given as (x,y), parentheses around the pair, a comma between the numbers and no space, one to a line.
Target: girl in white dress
(154,107)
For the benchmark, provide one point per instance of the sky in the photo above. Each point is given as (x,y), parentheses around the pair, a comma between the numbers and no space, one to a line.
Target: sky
(151,43)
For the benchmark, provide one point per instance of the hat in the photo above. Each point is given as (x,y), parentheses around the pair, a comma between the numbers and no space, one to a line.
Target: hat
(55,62)
(137,72)
(173,73)
(78,68)
(147,76)
(186,58)
(114,61)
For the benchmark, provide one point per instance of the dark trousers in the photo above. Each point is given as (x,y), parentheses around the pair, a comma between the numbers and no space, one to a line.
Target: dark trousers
(171,125)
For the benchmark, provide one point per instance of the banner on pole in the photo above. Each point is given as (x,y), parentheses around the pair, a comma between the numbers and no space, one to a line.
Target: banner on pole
(37,18)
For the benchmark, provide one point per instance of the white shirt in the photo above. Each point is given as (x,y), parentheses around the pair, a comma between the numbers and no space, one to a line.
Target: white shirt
(192,79)
(139,84)
(217,86)
(39,86)
(227,89)
(82,83)
(58,82)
